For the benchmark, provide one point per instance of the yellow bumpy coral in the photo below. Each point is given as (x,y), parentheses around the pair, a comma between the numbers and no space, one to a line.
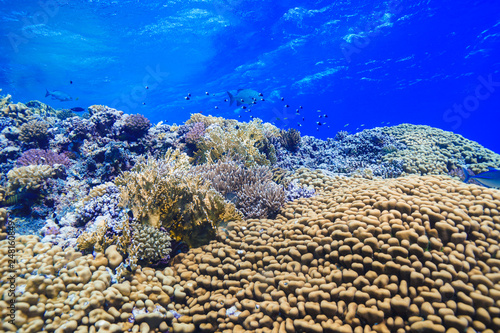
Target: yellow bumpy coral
(29,177)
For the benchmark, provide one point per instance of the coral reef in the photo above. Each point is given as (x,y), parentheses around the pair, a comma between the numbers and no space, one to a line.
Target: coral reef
(251,189)
(195,133)
(351,154)
(35,132)
(418,254)
(228,139)
(136,126)
(42,156)
(434,151)
(161,192)
(31,177)
(290,139)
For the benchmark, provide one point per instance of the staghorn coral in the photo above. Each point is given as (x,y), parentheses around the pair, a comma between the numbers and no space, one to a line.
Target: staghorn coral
(41,156)
(290,139)
(251,189)
(35,132)
(161,192)
(136,126)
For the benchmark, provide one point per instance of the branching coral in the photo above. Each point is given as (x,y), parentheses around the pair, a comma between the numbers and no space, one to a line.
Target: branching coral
(35,132)
(251,189)
(41,156)
(195,133)
(161,192)
(104,117)
(290,139)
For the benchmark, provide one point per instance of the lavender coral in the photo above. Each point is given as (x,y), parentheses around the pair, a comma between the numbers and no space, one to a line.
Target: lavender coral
(195,133)
(41,156)
(251,189)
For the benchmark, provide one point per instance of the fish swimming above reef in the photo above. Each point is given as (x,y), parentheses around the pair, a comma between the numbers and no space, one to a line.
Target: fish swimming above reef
(244,96)
(490,178)
(59,95)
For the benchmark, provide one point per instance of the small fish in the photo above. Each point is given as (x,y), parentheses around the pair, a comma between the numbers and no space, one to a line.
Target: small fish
(262,99)
(77,109)
(216,107)
(254,102)
(346,125)
(319,123)
(189,94)
(237,127)
(143,103)
(382,123)
(70,82)
(239,116)
(251,116)
(287,106)
(260,94)
(225,100)
(146,87)
(187,98)
(59,95)
(490,178)
(318,111)
(303,118)
(362,125)
(325,116)
(320,116)
(357,129)
(317,129)
(243,107)
(206,93)
(282,99)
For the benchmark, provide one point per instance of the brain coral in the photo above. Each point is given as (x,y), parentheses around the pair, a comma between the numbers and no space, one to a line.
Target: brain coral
(433,151)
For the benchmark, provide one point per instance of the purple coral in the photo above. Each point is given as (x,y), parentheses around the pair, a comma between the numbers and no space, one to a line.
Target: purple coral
(295,191)
(42,156)
(196,131)
(136,125)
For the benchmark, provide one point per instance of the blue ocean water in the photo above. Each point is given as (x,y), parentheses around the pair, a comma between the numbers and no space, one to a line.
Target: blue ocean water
(363,64)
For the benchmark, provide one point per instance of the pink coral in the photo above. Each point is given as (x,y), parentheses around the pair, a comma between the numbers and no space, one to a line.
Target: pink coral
(42,156)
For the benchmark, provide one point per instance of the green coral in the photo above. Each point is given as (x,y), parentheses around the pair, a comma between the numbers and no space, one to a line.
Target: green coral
(162,192)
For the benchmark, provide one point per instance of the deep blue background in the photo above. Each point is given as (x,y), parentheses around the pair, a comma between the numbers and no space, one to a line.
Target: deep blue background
(406,62)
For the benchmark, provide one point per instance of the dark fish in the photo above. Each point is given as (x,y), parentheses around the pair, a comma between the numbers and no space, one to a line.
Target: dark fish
(319,123)
(70,82)
(287,106)
(243,107)
(237,127)
(77,109)
(206,93)
(187,98)
(189,94)
(490,178)
(146,87)
(216,107)
(282,99)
